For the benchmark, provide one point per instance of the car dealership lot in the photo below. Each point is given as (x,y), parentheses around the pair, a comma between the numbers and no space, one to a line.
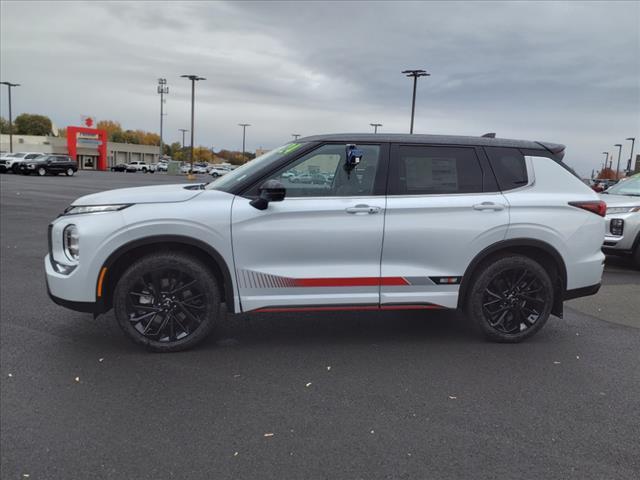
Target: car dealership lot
(348,395)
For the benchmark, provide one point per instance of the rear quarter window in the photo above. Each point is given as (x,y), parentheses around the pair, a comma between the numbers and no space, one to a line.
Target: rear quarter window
(509,166)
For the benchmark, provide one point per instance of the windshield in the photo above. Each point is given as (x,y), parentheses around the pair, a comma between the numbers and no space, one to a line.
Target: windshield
(626,187)
(17,155)
(228,181)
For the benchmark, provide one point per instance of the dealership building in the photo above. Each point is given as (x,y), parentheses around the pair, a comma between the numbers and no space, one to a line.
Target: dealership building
(88,146)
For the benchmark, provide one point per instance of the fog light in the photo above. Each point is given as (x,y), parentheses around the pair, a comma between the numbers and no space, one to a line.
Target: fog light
(616,226)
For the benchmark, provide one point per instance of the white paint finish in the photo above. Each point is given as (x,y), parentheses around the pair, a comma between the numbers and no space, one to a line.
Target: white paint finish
(308,238)
(437,235)
(152,194)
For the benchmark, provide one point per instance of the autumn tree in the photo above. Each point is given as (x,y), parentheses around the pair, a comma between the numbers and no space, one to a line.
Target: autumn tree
(32,124)
(112,128)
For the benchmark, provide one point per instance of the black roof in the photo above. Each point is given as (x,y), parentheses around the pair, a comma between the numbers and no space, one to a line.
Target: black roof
(433,139)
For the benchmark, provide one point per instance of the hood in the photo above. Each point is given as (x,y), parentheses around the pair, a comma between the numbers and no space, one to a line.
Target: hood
(152,194)
(620,200)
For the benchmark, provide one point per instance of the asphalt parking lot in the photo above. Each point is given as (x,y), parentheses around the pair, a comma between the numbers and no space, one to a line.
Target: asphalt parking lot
(350,395)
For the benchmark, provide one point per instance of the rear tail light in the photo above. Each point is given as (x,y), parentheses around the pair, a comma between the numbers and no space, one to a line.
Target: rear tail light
(595,206)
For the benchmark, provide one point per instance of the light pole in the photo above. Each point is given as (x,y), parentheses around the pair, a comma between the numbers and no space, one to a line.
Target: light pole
(633,141)
(606,159)
(183,130)
(415,74)
(296,136)
(9,85)
(375,126)
(194,79)
(619,145)
(244,130)
(163,89)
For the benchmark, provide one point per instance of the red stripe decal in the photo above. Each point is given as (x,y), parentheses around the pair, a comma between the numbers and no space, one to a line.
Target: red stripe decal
(349,282)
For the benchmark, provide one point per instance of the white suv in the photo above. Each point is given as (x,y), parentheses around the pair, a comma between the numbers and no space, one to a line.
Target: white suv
(499,228)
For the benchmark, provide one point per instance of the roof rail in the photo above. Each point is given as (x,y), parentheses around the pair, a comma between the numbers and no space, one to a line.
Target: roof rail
(489,135)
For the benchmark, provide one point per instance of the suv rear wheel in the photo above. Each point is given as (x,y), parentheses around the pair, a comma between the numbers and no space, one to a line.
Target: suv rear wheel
(510,298)
(42,171)
(167,302)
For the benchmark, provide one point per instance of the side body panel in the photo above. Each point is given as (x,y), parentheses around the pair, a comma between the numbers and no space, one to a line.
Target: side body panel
(307,251)
(541,211)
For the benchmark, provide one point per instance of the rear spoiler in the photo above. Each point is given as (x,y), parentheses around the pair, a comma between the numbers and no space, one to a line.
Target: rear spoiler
(556,149)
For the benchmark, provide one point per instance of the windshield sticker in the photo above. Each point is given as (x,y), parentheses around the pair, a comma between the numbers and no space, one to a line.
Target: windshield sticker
(286,149)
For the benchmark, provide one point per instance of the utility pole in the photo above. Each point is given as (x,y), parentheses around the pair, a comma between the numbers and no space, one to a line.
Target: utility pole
(9,85)
(619,145)
(244,130)
(194,79)
(375,126)
(183,130)
(163,89)
(633,141)
(415,74)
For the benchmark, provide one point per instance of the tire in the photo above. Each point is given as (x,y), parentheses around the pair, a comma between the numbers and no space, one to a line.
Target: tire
(510,298)
(144,170)
(171,326)
(215,175)
(636,256)
(15,168)
(69,172)
(42,171)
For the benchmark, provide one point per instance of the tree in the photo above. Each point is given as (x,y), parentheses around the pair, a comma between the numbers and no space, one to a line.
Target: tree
(32,124)
(111,127)
(202,154)
(607,173)
(62,132)
(4,125)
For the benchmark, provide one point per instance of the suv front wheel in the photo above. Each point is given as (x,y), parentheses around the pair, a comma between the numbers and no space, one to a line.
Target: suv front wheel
(167,302)
(510,298)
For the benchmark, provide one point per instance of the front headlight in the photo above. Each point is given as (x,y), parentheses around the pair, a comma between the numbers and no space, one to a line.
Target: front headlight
(71,242)
(614,210)
(94,209)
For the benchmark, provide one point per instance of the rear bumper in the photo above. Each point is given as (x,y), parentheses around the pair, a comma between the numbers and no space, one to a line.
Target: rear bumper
(581,292)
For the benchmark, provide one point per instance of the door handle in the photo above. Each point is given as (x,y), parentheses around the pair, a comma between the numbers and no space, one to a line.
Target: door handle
(362,209)
(488,206)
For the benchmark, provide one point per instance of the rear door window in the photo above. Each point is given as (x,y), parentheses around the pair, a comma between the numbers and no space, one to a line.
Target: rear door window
(509,166)
(424,170)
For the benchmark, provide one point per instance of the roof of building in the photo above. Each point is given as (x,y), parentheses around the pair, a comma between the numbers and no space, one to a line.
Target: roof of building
(433,139)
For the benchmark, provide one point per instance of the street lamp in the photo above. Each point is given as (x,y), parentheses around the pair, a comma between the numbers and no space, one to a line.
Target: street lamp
(194,79)
(633,141)
(244,130)
(375,126)
(183,130)
(9,85)
(606,159)
(619,145)
(296,136)
(163,89)
(414,74)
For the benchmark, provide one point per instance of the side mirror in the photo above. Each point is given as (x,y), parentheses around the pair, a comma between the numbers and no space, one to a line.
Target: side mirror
(269,191)
(354,156)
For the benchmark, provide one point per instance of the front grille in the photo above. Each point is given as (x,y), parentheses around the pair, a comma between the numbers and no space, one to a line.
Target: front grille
(3,162)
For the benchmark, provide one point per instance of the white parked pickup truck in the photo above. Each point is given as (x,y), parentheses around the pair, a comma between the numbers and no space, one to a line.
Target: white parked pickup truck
(138,166)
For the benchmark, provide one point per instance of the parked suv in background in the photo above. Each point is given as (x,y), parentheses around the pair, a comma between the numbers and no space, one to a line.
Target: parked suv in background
(497,228)
(12,161)
(53,164)
(623,219)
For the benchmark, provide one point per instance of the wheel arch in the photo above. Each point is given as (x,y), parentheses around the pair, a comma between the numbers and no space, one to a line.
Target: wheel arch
(122,257)
(540,251)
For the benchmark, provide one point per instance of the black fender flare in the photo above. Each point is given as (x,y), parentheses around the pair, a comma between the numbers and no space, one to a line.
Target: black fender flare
(160,240)
(514,244)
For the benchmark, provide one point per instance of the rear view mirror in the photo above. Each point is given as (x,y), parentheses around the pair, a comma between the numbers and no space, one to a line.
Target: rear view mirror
(354,156)
(269,191)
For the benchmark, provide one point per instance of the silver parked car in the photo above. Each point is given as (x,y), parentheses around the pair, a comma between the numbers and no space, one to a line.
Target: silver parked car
(622,236)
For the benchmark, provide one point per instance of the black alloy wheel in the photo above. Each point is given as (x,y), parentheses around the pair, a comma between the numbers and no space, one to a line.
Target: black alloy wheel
(167,302)
(511,298)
